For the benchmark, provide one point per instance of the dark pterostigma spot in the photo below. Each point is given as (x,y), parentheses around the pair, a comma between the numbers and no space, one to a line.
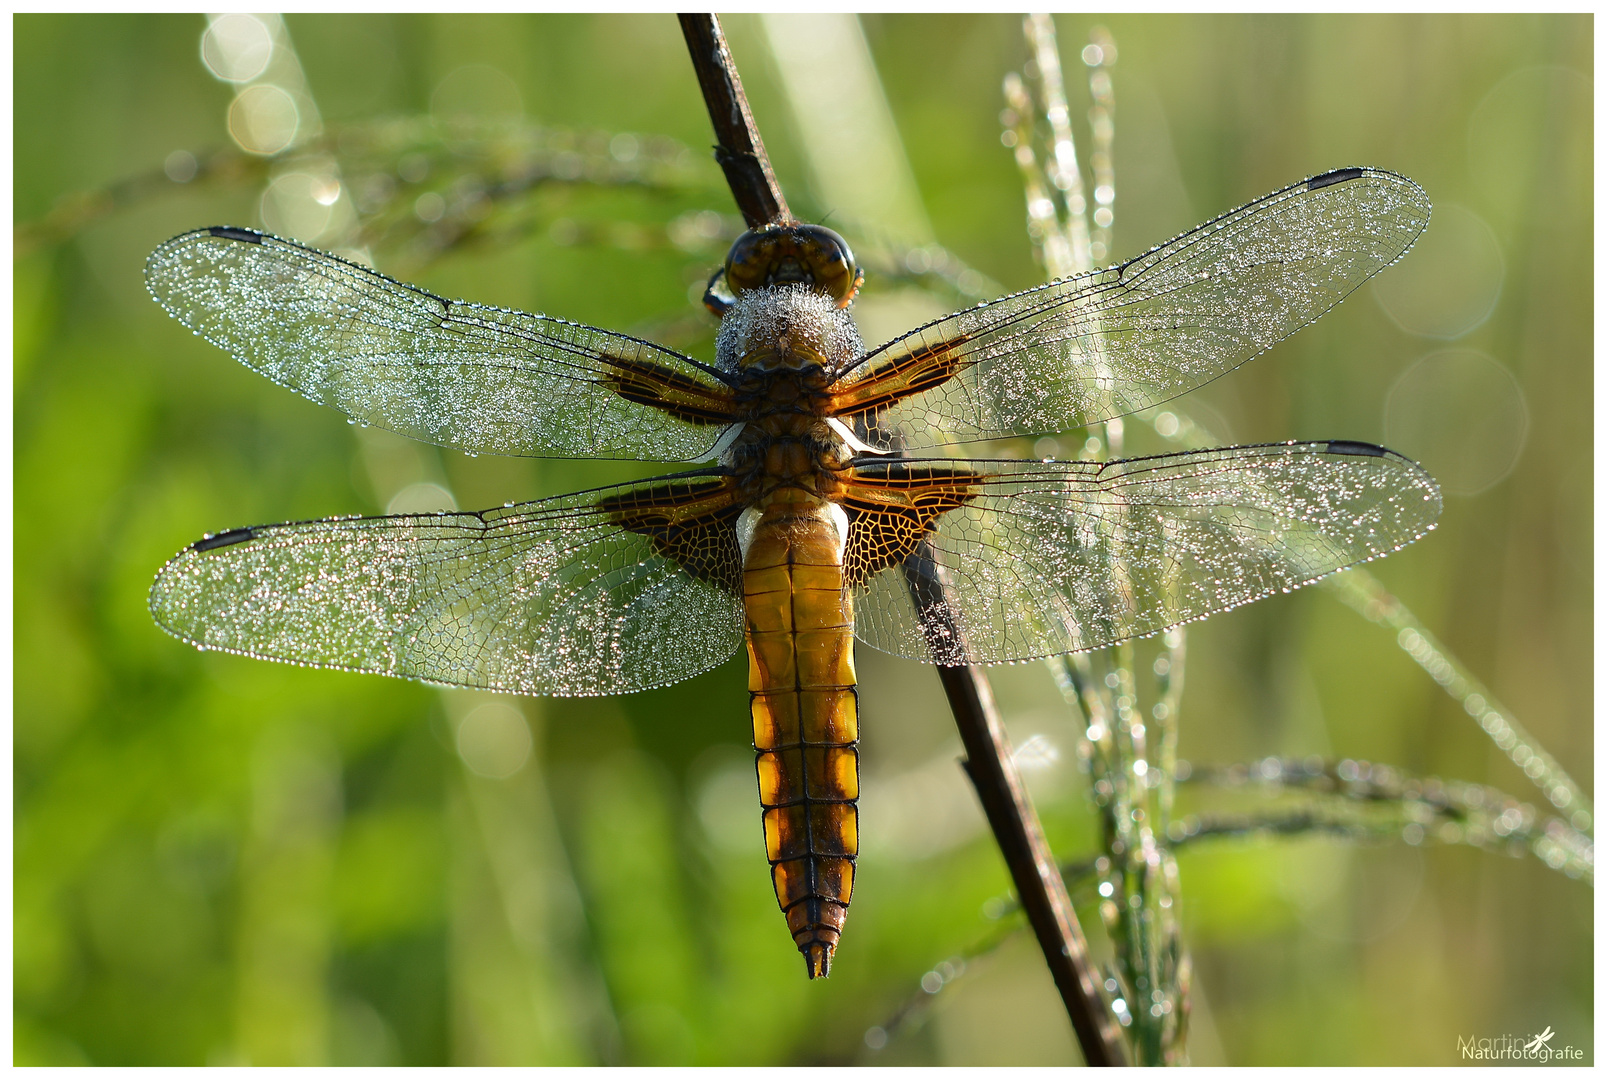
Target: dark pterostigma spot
(1338,176)
(229,232)
(223,539)
(1355,449)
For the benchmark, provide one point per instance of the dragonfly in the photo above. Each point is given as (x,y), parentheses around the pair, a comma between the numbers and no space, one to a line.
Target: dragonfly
(819,503)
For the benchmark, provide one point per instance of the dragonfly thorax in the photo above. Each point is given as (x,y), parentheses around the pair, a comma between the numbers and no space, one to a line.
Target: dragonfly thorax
(786,344)
(787,328)
(787,450)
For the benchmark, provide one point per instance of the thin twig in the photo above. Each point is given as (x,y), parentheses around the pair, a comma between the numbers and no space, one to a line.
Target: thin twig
(1427,807)
(989,763)
(739,149)
(1124,753)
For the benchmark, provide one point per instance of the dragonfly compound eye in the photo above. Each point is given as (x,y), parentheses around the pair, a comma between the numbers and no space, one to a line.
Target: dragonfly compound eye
(794,254)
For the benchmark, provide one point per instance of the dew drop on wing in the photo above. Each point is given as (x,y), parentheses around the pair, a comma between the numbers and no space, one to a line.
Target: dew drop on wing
(222,539)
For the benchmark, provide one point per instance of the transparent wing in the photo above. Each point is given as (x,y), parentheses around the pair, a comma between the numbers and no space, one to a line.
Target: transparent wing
(1115,341)
(1045,558)
(482,379)
(604,592)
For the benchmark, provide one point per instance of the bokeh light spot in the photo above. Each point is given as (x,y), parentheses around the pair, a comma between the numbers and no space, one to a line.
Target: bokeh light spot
(1450,282)
(430,206)
(1508,158)
(180,166)
(726,798)
(263,119)
(237,48)
(476,90)
(494,740)
(421,498)
(1461,415)
(293,205)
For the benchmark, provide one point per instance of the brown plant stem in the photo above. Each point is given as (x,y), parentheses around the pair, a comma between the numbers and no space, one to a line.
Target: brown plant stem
(990,763)
(739,149)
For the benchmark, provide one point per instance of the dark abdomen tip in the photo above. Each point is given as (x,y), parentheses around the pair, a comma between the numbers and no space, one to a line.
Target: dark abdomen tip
(817,957)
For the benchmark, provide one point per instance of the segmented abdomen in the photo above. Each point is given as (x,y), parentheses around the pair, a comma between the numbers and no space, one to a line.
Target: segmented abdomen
(800,632)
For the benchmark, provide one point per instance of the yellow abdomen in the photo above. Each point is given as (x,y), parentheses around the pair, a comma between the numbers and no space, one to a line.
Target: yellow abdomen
(800,632)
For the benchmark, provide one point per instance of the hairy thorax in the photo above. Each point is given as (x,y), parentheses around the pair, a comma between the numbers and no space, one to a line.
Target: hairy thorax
(787,346)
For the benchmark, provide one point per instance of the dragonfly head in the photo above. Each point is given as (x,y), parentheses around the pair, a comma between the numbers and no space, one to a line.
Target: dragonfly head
(788,253)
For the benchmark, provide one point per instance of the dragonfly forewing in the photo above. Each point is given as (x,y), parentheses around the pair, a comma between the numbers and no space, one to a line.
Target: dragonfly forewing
(1116,341)
(469,376)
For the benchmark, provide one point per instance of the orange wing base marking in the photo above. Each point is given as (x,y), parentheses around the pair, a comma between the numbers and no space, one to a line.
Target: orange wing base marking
(899,377)
(892,507)
(692,522)
(670,391)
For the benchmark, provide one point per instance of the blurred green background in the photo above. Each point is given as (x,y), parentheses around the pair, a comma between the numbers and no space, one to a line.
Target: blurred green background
(218,860)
